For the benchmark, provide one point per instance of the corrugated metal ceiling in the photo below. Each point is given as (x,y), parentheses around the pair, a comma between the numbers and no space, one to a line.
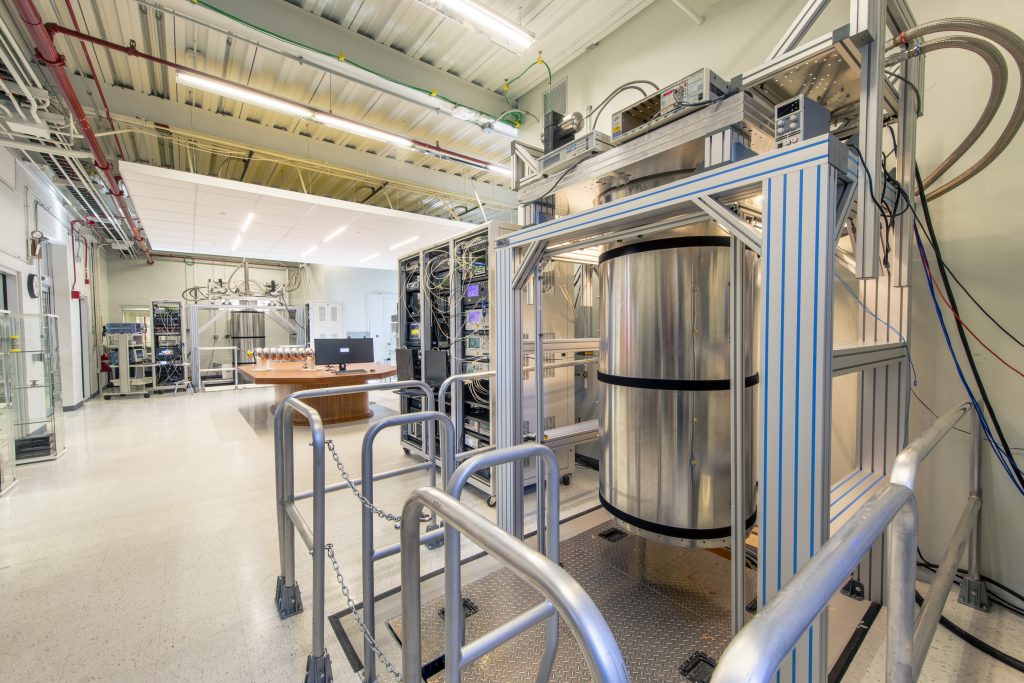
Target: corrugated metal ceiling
(563,29)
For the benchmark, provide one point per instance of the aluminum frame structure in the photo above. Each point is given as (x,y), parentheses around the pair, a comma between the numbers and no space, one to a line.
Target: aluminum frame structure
(287,598)
(808,193)
(287,317)
(756,653)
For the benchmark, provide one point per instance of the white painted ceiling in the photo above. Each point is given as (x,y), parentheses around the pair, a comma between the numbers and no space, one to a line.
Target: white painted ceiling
(197,214)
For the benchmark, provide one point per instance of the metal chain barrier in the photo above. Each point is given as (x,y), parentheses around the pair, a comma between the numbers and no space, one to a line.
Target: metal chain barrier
(381,657)
(362,499)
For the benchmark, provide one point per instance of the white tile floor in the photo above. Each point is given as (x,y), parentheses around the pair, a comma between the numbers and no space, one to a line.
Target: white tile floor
(149,552)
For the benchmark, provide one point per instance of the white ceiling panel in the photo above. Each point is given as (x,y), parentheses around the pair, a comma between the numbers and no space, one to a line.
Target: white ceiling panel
(207,214)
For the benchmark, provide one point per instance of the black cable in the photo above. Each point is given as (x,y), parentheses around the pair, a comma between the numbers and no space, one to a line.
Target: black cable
(1001,586)
(976,642)
(982,308)
(960,330)
(917,93)
(566,172)
(977,303)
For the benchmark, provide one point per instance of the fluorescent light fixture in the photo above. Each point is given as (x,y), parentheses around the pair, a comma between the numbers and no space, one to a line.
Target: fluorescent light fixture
(237,242)
(248,221)
(238,92)
(308,251)
(361,130)
(496,28)
(403,243)
(369,258)
(335,233)
(500,170)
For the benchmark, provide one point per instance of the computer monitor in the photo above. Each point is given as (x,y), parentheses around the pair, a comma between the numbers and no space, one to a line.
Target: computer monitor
(341,352)
(406,366)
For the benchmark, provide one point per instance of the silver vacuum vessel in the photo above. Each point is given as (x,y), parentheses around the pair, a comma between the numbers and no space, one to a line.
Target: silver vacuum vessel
(664,381)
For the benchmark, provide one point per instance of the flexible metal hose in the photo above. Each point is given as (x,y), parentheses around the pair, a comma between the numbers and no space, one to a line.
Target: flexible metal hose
(1000,79)
(1006,39)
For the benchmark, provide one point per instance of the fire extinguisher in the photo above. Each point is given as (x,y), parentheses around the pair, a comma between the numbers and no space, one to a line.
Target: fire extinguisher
(105,362)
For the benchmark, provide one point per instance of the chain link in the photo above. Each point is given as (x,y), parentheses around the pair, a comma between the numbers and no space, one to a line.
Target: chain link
(381,657)
(362,499)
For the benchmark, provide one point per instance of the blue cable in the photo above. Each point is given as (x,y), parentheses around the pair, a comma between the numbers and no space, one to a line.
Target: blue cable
(867,310)
(959,371)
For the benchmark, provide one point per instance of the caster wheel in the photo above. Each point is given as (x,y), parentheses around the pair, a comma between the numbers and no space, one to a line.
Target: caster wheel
(566,479)
(407,451)
(492,501)
(145,396)
(107,397)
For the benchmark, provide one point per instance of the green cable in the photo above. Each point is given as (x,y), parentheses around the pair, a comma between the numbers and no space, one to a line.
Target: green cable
(341,57)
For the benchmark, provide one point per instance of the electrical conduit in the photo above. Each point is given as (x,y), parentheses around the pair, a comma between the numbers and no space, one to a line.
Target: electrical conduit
(47,52)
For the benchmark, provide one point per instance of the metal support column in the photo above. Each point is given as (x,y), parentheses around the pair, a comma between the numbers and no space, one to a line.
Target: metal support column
(737,374)
(869,16)
(797,265)
(972,589)
(538,389)
(507,428)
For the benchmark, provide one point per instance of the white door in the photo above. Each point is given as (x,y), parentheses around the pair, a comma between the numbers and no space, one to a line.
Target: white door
(380,306)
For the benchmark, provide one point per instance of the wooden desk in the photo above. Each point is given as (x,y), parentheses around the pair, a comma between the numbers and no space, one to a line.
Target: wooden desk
(289,377)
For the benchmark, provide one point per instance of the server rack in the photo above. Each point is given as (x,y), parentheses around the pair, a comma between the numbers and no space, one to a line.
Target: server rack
(168,329)
(445,310)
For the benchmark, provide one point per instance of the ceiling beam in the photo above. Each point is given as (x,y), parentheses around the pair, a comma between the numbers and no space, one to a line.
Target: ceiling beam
(152,109)
(317,32)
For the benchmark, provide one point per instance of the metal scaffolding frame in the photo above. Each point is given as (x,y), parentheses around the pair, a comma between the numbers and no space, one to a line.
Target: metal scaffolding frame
(807,190)
(289,318)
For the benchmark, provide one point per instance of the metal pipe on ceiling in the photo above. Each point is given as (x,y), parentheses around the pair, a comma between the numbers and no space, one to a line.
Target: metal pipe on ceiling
(46,149)
(47,52)
(424,147)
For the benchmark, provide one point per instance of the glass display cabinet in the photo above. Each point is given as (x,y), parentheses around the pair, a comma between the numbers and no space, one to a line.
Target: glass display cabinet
(7,477)
(33,369)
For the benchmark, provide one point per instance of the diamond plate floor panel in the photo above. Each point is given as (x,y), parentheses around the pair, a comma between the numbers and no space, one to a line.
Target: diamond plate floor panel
(662,603)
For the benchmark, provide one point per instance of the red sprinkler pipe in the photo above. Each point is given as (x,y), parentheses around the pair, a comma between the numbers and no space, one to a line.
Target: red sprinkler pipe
(47,52)
(95,79)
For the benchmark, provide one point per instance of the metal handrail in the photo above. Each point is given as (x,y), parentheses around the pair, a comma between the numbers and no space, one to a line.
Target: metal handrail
(757,651)
(287,598)
(370,554)
(566,596)
(457,657)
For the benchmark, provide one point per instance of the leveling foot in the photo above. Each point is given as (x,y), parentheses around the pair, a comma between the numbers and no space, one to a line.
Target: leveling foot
(318,669)
(287,598)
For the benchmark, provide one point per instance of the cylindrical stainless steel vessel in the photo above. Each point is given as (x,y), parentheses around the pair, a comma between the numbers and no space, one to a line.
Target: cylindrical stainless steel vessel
(664,378)
(248,331)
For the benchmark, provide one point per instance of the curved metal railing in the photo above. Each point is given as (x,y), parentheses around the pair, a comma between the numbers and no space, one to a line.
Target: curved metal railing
(758,650)
(564,597)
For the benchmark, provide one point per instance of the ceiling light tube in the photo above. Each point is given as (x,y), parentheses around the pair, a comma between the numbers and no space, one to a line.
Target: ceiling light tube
(496,28)
(370,257)
(242,93)
(403,243)
(237,242)
(361,130)
(308,251)
(248,221)
(335,233)
(274,103)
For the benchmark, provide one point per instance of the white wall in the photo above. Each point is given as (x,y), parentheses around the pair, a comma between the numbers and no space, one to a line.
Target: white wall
(29,202)
(351,286)
(978,225)
(132,282)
